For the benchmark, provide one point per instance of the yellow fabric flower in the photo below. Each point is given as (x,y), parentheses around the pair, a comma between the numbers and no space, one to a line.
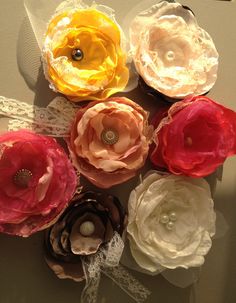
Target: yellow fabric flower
(83,55)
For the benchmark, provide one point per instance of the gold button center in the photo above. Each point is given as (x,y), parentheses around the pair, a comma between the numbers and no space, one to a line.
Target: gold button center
(22,178)
(109,136)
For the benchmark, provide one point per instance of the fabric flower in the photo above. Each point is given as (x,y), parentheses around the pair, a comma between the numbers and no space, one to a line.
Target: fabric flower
(110,141)
(195,137)
(37,182)
(89,222)
(83,53)
(171,221)
(171,52)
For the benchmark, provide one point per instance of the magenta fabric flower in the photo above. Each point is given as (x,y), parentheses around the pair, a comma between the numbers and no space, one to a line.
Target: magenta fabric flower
(37,182)
(194,137)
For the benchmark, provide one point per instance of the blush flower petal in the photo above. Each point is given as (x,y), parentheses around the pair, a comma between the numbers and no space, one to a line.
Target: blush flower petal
(110,140)
(171,52)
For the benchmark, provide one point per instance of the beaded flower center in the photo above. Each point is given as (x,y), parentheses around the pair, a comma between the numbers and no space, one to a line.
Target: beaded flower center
(22,178)
(168,220)
(110,136)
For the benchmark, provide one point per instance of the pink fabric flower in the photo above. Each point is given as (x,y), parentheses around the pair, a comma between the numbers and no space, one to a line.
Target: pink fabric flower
(195,137)
(37,182)
(110,141)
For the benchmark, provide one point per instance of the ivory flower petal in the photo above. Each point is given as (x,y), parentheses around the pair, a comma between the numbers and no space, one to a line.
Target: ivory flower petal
(171,52)
(184,237)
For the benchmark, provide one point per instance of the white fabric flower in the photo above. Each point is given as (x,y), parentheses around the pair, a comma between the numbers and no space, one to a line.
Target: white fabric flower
(171,52)
(171,222)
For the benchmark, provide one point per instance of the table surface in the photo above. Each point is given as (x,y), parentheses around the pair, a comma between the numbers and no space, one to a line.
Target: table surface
(25,277)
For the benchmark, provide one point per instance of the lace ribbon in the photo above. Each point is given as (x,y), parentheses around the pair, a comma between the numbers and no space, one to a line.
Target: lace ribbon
(54,120)
(106,261)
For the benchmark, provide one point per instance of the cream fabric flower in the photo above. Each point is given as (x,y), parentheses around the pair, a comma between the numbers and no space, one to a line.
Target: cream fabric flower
(171,222)
(171,52)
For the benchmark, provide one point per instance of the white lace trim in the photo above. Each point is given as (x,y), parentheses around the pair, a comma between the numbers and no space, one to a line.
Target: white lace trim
(106,261)
(54,120)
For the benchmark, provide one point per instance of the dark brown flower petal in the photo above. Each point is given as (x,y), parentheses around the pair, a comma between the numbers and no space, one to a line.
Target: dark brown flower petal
(109,232)
(58,255)
(65,270)
(88,222)
(64,240)
(54,236)
(115,211)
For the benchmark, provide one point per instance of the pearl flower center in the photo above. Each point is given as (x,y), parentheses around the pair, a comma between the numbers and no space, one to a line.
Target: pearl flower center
(22,178)
(87,228)
(189,141)
(77,54)
(170,56)
(168,220)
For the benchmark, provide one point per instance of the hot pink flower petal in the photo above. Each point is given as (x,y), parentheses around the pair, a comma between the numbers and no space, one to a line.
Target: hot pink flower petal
(195,137)
(26,208)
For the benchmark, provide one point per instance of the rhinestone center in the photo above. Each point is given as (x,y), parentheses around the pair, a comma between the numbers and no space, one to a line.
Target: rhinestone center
(22,178)
(109,136)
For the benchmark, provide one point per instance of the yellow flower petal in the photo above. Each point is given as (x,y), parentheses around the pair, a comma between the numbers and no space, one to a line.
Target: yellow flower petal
(102,70)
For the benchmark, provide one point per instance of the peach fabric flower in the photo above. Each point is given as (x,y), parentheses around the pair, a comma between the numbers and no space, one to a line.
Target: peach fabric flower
(110,141)
(171,52)
(83,53)
(37,182)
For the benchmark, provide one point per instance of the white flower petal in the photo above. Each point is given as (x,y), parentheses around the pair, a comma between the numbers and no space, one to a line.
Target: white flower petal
(154,246)
(171,52)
